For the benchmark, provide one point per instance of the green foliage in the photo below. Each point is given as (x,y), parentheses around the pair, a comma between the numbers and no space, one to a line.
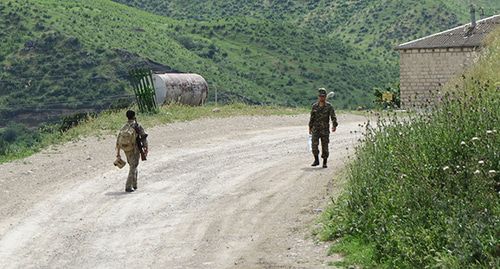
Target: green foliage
(62,57)
(16,136)
(47,73)
(75,54)
(357,251)
(71,121)
(376,26)
(392,89)
(423,189)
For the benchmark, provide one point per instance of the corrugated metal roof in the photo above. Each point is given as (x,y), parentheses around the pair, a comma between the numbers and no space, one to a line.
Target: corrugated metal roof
(461,36)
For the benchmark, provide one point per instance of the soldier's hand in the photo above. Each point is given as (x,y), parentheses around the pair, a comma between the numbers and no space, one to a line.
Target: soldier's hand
(334,129)
(310,132)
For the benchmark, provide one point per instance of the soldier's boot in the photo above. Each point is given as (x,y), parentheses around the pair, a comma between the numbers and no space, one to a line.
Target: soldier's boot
(316,161)
(324,162)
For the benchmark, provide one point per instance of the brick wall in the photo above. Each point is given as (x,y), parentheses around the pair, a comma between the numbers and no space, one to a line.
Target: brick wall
(424,71)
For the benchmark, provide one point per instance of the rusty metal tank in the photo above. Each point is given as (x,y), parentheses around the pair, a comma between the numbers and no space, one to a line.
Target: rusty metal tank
(188,89)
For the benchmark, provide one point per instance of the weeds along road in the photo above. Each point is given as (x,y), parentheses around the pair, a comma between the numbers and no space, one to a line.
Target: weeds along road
(214,193)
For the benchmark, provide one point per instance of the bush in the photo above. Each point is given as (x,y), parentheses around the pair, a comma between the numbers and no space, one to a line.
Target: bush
(73,120)
(423,190)
(17,137)
(9,135)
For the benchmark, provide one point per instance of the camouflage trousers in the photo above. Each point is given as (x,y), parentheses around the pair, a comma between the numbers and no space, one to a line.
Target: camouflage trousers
(133,161)
(325,139)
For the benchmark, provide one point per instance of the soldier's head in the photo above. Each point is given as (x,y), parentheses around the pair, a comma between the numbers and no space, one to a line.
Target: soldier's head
(130,115)
(322,94)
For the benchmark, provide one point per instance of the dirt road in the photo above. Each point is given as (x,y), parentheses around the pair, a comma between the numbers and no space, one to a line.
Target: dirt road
(215,193)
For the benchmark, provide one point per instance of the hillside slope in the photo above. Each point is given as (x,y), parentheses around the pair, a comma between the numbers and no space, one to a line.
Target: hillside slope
(45,72)
(375,25)
(62,57)
(66,55)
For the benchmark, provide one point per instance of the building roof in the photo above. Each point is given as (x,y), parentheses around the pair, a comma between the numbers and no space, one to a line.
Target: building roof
(461,36)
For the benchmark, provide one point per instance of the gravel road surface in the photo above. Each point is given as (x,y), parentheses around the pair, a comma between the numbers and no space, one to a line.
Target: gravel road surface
(215,193)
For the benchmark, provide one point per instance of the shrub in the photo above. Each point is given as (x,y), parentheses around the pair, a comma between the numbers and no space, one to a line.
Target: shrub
(71,121)
(423,189)
(9,135)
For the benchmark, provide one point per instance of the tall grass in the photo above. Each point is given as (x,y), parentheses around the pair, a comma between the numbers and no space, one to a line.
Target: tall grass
(424,190)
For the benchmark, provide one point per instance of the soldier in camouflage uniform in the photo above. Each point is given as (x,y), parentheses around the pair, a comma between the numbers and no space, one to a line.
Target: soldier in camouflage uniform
(134,155)
(319,127)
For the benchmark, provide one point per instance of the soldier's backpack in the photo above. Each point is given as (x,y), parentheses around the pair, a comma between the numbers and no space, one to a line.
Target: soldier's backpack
(127,138)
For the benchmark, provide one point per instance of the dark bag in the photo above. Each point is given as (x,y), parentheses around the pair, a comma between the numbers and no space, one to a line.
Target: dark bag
(139,142)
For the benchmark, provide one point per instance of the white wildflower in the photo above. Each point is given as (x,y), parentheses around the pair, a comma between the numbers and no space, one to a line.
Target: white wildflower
(477,172)
(463,143)
(492,172)
(489,132)
(481,162)
(475,138)
(446,168)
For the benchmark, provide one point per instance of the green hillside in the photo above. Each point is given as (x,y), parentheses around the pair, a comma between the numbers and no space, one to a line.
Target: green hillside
(70,55)
(376,26)
(46,72)
(294,9)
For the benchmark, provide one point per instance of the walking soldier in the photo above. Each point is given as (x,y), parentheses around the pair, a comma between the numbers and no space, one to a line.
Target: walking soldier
(319,127)
(132,140)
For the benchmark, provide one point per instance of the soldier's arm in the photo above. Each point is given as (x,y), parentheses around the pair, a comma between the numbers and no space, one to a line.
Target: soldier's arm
(311,120)
(334,118)
(117,147)
(143,136)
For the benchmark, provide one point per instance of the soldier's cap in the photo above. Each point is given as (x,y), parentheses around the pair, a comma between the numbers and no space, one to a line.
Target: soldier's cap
(321,92)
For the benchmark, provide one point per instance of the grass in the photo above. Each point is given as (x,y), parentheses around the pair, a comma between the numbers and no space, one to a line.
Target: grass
(61,56)
(356,250)
(422,191)
(111,121)
(375,26)
(247,59)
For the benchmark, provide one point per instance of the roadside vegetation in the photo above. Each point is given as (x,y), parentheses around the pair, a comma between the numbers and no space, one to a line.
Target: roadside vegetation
(423,190)
(17,141)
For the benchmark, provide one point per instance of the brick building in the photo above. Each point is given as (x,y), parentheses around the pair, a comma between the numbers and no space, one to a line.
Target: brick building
(426,64)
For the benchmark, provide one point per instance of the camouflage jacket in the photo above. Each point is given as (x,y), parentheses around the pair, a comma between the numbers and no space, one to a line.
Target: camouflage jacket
(320,118)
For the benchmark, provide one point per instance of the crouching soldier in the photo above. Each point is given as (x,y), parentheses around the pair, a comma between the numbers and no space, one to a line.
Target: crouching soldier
(133,141)
(319,127)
